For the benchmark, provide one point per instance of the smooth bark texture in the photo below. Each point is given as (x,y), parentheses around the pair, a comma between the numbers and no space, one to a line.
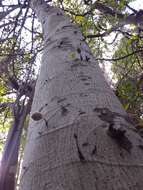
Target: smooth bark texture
(80,138)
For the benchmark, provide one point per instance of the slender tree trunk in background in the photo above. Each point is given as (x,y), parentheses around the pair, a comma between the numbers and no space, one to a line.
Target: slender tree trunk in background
(85,139)
(8,165)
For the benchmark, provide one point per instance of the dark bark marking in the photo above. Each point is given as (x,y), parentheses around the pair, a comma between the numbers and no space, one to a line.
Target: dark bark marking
(79,50)
(40,133)
(24,167)
(87,58)
(64,110)
(140,146)
(84,79)
(59,14)
(46,122)
(61,100)
(85,144)
(65,43)
(67,26)
(116,133)
(46,82)
(119,136)
(121,154)
(75,136)
(86,83)
(44,21)
(94,150)
(82,112)
(81,157)
(81,58)
(61,43)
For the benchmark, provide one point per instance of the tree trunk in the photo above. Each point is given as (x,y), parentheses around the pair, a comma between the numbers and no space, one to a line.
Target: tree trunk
(9,161)
(80,137)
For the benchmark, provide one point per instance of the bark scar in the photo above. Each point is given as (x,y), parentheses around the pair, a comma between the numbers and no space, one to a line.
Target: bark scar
(116,130)
(119,136)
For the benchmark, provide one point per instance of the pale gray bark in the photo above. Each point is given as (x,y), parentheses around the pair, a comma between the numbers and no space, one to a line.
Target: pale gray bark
(77,144)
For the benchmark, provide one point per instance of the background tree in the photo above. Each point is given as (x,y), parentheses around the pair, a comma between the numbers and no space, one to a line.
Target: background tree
(18,55)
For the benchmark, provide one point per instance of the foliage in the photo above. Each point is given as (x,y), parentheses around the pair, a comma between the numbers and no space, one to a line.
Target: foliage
(129,74)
